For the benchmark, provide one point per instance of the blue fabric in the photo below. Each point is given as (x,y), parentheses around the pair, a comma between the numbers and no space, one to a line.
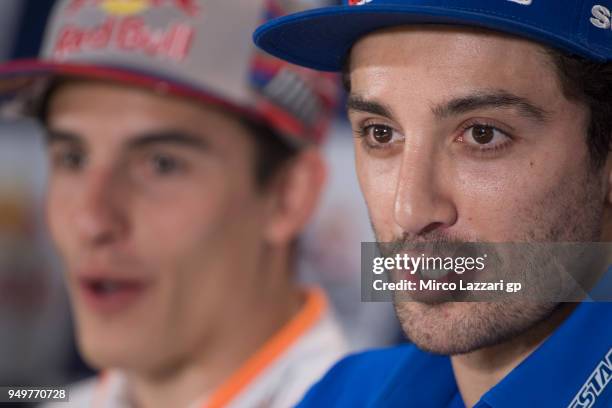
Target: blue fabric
(571,369)
(321,38)
(602,292)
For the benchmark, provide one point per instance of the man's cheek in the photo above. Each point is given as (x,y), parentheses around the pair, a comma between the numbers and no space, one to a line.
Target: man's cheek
(504,216)
(381,204)
(64,237)
(514,213)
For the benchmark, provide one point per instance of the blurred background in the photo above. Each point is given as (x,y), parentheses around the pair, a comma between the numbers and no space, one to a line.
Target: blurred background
(36,343)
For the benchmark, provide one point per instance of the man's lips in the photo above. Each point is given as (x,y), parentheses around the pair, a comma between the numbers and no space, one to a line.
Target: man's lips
(440,275)
(105,293)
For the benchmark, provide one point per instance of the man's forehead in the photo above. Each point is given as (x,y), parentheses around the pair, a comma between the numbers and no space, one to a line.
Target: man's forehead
(448,62)
(437,40)
(102,116)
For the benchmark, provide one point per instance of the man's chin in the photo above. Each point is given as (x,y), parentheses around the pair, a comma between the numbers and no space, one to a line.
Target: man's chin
(462,327)
(102,351)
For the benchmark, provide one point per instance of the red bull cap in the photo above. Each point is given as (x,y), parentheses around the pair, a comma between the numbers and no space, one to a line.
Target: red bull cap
(199,49)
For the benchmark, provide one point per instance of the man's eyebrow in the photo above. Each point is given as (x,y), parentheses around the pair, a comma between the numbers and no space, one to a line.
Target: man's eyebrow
(495,100)
(359,104)
(60,136)
(168,137)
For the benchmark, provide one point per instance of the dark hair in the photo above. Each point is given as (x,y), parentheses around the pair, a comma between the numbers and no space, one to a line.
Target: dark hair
(589,82)
(582,81)
(272,150)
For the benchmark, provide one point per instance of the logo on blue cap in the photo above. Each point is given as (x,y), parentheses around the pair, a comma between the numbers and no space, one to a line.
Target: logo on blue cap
(601,17)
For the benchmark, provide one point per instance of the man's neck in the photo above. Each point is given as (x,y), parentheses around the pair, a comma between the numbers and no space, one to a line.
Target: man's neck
(478,371)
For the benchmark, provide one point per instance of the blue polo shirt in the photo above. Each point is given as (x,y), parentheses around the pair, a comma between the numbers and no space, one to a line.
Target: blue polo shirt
(571,369)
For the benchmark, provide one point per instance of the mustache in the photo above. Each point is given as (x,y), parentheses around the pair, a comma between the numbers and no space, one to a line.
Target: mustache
(435,242)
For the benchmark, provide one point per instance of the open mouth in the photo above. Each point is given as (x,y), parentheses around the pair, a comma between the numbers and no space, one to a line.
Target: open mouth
(110,295)
(107,287)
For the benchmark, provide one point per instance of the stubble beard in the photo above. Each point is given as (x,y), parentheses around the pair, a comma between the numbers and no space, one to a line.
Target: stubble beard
(569,213)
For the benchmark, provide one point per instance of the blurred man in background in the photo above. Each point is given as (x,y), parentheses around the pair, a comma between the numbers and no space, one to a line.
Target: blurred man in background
(183,167)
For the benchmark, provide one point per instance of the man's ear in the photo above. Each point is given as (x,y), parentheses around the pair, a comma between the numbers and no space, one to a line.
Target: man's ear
(607,221)
(608,175)
(295,193)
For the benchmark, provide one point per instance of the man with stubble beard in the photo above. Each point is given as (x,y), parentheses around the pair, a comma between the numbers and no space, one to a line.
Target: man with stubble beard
(475,121)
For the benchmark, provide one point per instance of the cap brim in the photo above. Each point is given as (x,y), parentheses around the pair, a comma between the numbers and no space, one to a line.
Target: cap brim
(322,38)
(15,76)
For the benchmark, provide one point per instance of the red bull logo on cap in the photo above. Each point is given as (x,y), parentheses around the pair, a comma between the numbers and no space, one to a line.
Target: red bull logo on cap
(130,7)
(124,7)
(127,29)
(358,2)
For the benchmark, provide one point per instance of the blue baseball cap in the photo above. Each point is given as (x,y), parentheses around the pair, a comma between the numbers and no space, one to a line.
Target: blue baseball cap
(322,38)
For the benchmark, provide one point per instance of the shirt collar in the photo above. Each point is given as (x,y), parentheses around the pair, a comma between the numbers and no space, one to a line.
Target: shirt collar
(421,380)
(550,376)
(557,370)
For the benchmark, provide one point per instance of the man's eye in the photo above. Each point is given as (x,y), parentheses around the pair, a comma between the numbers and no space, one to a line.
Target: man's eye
(68,159)
(483,136)
(164,164)
(379,135)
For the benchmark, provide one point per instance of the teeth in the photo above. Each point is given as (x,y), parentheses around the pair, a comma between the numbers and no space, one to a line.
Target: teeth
(433,273)
(109,287)
(106,287)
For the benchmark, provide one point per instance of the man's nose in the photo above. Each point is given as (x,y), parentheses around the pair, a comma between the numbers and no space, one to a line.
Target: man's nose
(422,202)
(100,216)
